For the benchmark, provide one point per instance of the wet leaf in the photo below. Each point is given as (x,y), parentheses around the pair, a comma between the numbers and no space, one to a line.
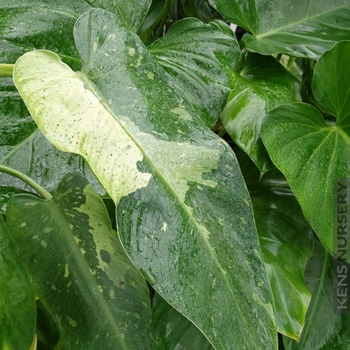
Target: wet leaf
(201,59)
(17,300)
(311,153)
(39,24)
(298,28)
(173,331)
(325,328)
(23,147)
(180,196)
(261,85)
(286,241)
(78,268)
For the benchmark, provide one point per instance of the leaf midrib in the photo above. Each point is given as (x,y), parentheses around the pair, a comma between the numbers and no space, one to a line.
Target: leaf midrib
(168,185)
(306,19)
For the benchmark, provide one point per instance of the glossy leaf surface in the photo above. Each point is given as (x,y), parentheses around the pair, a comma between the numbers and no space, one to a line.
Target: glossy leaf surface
(331,86)
(201,59)
(261,85)
(173,331)
(23,147)
(325,329)
(38,24)
(17,300)
(298,28)
(78,268)
(280,222)
(180,196)
(311,153)
(286,241)
(242,13)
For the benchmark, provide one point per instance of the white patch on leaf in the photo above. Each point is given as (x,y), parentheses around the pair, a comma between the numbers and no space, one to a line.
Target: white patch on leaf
(179,163)
(131,51)
(66,271)
(78,122)
(182,113)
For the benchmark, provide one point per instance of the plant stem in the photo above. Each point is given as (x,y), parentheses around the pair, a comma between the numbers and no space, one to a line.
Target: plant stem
(43,193)
(290,62)
(6,70)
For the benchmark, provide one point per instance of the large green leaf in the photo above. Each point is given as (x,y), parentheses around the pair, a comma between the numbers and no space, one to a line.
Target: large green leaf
(183,211)
(201,59)
(311,153)
(325,329)
(78,268)
(286,242)
(17,300)
(173,331)
(39,24)
(331,86)
(261,85)
(298,28)
(23,147)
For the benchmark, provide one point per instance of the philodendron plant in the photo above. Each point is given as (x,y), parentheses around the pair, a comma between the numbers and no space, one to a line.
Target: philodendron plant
(170,182)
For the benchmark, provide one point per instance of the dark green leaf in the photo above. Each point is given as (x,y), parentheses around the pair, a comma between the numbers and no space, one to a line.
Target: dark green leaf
(311,155)
(17,300)
(240,12)
(325,329)
(172,331)
(201,59)
(286,242)
(46,329)
(331,85)
(298,28)
(261,85)
(78,268)
(39,24)
(180,196)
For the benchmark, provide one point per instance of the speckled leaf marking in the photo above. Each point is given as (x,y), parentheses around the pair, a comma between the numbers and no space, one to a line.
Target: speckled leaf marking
(81,273)
(186,201)
(78,121)
(83,124)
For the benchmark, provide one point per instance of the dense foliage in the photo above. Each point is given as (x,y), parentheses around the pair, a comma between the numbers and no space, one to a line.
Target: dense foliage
(170,174)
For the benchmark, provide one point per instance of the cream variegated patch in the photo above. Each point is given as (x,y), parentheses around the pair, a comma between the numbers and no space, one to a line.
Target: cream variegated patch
(73,118)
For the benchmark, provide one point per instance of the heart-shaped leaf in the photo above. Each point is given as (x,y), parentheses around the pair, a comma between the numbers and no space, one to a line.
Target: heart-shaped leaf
(325,328)
(201,59)
(261,85)
(173,331)
(298,28)
(17,300)
(312,154)
(78,268)
(180,196)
